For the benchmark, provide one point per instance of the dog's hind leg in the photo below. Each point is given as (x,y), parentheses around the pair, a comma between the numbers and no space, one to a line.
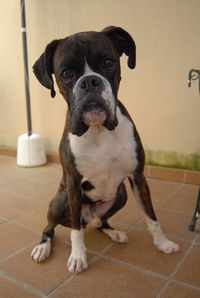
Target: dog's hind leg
(142,194)
(57,214)
(120,201)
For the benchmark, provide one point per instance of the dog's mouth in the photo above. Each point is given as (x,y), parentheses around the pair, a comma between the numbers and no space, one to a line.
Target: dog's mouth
(94,114)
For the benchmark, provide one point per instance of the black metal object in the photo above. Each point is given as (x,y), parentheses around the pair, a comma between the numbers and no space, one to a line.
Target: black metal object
(196,214)
(26,76)
(194,74)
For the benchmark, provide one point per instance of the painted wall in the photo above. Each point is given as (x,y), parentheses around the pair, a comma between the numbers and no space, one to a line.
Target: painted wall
(165,110)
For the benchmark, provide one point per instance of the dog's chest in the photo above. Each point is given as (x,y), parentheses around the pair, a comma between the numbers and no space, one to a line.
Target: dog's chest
(105,158)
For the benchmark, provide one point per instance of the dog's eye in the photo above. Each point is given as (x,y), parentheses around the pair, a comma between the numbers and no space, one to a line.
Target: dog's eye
(108,64)
(67,74)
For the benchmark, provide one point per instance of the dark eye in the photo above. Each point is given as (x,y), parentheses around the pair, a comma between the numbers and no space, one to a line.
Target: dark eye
(108,64)
(67,74)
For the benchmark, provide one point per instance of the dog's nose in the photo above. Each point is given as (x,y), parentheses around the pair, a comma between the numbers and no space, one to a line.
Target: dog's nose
(90,83)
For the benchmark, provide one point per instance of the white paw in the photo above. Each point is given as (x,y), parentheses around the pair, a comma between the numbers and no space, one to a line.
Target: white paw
(116,236)
(95,223)
(41,251)
(167,246)
(77,263)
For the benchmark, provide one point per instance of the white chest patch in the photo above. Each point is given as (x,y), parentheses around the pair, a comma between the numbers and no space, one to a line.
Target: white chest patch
(105,157)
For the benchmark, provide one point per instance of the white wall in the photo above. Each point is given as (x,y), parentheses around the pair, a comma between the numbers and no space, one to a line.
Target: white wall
(166,32)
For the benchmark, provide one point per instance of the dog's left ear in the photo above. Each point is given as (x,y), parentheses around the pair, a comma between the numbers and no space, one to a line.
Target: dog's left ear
(123,42)
(43,67)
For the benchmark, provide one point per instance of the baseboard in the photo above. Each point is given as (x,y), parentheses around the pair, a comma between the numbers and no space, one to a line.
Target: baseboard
(8,151)
(157,172)
(178,175)
(53,158)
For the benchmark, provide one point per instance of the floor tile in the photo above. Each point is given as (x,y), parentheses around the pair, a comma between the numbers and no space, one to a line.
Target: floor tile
(107,279)
(190,270)
(96,240)
(29,189)
(33,221)
(46,173)
(183,201)
(141,252)
(198,238)
(44,276)
(2,219)
(175,224)
(179,290)
(12,204)
(13,238)
(163,185)
(10,289)
(135,269)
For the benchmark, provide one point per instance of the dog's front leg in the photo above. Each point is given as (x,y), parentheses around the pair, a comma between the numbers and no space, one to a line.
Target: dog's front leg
(77,261)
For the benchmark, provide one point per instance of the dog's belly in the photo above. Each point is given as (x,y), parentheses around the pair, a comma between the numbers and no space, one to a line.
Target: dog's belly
(105,158)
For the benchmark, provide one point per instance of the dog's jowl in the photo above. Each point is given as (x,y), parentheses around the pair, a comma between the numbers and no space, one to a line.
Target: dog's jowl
(100,146)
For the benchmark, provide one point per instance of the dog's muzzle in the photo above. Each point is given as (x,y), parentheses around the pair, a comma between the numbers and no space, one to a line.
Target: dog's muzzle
(94,114)
(93,104)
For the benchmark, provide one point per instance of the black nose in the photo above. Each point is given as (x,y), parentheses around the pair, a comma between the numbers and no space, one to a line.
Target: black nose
(90,83)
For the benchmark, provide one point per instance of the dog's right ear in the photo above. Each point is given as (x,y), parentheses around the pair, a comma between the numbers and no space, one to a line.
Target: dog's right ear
(43,67)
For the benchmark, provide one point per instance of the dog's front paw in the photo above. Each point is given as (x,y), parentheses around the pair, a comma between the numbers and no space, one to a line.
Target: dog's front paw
(41,251)
(77,263)
(167,246)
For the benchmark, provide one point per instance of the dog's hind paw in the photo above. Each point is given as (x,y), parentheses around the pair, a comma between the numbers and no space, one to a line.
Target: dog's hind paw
(42,251)
(116,236)
(167,246)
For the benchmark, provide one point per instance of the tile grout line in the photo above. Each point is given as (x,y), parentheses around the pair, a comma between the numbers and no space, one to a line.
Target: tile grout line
(186,284)
(180,263)
(171,195)
(135,267)
(23,285)
(94,259)
(66,281)
(152,273)
(177,267)
(16,252)
(125,264)
(12,221)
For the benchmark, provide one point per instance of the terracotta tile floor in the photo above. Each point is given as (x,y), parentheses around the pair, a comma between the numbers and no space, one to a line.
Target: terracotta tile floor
(131,270)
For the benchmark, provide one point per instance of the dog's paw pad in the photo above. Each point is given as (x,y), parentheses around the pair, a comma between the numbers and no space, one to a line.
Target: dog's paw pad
(41,252)
(116,236)
(77,264)
(167,246)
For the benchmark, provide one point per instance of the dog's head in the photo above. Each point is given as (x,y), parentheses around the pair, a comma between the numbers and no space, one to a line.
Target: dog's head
(87,71)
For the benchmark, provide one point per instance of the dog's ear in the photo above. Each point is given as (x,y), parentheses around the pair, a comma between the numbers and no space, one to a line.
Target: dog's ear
(43,67)
(123,42)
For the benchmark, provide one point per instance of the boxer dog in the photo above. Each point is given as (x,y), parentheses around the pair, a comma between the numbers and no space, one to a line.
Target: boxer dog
(100,146)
